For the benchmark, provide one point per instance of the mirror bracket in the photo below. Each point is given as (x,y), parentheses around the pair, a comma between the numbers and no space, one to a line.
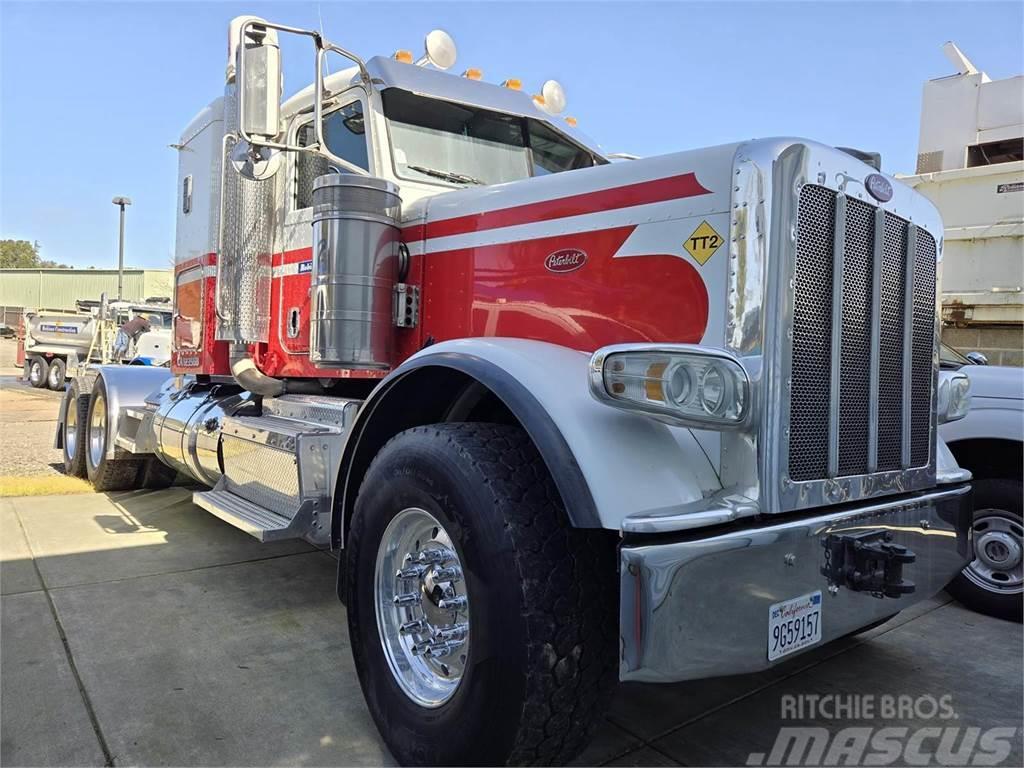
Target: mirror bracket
(321,47)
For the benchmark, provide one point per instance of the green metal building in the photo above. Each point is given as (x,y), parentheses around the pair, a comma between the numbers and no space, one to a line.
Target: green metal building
(61,288)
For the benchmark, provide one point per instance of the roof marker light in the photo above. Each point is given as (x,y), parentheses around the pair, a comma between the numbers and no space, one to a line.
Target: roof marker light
(513,83)
(403,56)
(539,101)
(572,121)
(473,74)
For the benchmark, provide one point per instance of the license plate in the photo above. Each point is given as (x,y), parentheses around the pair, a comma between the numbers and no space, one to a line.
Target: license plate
(794,625)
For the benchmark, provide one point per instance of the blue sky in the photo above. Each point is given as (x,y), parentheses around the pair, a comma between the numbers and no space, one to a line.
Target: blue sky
(92,94)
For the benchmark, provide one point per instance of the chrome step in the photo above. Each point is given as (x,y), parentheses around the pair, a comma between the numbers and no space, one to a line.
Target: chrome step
(273,431)
(337,412)
(255,520)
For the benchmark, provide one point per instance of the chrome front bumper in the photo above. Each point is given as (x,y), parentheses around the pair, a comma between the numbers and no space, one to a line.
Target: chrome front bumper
(699,607)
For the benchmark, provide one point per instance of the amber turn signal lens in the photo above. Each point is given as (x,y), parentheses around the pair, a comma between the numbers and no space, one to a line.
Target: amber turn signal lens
(403,56)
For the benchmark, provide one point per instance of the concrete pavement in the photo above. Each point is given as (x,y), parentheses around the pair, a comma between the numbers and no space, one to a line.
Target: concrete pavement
(139,630)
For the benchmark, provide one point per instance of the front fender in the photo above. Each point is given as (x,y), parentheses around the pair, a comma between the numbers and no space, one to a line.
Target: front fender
(607,463)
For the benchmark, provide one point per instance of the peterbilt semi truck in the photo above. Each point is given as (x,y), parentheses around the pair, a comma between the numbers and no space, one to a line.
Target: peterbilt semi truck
(566,421)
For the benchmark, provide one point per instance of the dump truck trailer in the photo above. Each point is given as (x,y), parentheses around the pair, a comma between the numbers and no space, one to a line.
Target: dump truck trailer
(567,421)
(55,341)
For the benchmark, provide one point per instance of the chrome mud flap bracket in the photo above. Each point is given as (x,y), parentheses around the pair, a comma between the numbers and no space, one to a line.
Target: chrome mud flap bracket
(699,604)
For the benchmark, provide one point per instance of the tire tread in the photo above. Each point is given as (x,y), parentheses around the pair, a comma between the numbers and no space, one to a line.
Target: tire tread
(570,590)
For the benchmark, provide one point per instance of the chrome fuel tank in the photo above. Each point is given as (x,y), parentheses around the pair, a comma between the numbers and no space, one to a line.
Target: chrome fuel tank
(187,428)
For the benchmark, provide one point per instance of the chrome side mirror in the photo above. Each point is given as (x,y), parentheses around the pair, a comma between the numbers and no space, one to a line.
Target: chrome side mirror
(977,358)
(258,80)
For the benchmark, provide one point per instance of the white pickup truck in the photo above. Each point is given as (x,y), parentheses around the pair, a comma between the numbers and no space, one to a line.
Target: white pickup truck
(988,441)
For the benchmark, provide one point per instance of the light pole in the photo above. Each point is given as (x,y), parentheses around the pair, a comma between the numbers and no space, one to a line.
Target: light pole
(120,202)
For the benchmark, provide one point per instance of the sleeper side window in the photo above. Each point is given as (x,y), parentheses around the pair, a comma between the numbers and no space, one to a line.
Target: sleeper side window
(345,134)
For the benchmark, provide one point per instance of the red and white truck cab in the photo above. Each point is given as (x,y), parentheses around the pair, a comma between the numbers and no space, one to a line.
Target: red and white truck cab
(567,420)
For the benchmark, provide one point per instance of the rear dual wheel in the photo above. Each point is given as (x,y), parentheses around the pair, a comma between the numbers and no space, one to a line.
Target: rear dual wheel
(483,625)
(56,374)
(38,369)
(76,417)
(106,473)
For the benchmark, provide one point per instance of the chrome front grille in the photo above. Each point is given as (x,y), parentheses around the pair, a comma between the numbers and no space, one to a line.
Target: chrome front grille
(861,356)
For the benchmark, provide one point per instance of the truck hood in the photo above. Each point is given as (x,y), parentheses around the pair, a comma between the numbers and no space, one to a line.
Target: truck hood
(995,381)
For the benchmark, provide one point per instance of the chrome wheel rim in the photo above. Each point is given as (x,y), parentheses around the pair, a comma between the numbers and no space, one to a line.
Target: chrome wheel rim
(422,607)
(71,428)
(97,430)
(51,377)
(998,564)
(35,373)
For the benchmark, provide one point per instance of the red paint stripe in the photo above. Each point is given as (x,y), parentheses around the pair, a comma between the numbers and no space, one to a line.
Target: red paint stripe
(642,193)
(205,260)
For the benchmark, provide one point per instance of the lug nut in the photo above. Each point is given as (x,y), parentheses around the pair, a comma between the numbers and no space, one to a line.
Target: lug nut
(421,649)
(409,598)
(452,573)
(434,556)
(412,572)
(414,627)
(456,632)
(445,648)
(453,603)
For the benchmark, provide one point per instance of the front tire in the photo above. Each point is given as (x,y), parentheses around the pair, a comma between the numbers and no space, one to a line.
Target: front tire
(992,584)
(106,474)
(536,659)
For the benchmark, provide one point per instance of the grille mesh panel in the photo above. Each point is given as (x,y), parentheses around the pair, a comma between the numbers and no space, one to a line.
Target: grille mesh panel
(812,329)
(812,340)
(924,331)
(855,354)
(890,364)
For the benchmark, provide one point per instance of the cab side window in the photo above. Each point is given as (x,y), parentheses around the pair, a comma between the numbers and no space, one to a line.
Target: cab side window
(345,134)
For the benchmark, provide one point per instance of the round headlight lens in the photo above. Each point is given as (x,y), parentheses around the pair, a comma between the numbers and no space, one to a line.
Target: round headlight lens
(712,390)
(678,384)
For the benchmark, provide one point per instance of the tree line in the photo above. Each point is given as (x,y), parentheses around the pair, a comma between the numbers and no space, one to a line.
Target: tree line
(21,254)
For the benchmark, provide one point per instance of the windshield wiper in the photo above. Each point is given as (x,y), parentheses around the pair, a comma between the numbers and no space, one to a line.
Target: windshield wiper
(458,178)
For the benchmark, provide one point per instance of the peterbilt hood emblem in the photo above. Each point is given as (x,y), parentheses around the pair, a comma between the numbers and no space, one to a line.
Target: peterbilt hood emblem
(565,260)
(878,187)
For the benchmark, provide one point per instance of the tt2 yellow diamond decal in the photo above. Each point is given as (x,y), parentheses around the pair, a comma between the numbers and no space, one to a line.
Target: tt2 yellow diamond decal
(703,243)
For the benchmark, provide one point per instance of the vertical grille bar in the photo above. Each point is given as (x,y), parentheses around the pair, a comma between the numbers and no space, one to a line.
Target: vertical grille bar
(908,341)
(838,254)
(876,334)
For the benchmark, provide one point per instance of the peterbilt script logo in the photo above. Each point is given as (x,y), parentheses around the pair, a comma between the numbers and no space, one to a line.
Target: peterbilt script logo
(565,260)
(878,187)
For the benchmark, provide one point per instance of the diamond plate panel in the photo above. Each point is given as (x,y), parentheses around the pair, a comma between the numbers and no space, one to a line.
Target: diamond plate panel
(263,475)
(246,246)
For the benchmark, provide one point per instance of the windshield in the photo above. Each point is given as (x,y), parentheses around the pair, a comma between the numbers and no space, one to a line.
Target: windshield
(950,358)
(443,141)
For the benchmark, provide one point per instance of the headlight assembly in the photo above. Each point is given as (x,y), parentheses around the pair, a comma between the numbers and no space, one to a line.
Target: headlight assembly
(954,396)
(679,384)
